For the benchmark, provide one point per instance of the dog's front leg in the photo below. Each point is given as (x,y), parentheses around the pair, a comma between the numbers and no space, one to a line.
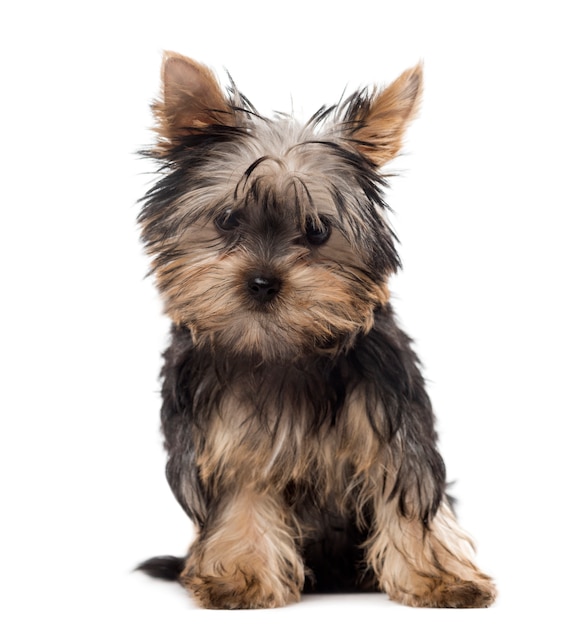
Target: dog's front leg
(426,564)
(245,556)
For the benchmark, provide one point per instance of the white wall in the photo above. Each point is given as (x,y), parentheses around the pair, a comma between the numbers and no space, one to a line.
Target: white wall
(489,210)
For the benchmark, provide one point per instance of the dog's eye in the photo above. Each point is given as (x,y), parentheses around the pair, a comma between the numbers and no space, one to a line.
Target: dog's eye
(227,221)
(317,233)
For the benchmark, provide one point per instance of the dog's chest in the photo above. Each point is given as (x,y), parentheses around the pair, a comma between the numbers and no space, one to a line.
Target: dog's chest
(277,429)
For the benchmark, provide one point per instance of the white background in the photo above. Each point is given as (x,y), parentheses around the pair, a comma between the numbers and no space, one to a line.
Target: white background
(489,209)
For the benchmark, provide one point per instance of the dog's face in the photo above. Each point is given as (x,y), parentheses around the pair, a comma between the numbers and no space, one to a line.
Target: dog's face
(269,237)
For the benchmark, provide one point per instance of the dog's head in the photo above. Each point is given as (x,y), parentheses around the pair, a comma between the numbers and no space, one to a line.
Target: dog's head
(269,236)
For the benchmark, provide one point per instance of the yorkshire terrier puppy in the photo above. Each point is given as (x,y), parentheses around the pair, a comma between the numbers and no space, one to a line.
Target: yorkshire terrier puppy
(300,438)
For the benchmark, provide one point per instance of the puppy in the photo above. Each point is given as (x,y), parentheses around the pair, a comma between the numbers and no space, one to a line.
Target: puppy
(300,437)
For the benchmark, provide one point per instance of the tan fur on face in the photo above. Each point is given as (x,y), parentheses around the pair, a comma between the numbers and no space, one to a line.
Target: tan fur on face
(327,292)
(320,300)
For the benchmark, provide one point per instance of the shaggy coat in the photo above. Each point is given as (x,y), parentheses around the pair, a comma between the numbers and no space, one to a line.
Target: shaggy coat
(300,438)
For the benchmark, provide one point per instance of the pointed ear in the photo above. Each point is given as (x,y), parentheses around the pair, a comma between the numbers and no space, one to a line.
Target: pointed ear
(190,98)
(379,124)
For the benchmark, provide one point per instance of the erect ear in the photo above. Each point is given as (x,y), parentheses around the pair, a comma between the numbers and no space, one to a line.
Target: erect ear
(190,98)
(379,124)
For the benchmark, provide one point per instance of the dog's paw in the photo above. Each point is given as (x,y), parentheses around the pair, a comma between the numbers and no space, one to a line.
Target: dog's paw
(240,590)
(455,594)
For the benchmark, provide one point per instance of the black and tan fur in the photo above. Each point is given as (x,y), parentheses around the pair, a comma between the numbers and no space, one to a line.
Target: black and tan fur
(301,440)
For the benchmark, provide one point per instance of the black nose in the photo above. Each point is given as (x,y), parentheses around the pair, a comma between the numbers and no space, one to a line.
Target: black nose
(263,288)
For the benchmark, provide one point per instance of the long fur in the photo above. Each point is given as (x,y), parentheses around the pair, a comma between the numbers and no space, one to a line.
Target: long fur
(300,437)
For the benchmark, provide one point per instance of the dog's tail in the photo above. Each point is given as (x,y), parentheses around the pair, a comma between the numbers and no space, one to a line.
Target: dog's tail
(165,567)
